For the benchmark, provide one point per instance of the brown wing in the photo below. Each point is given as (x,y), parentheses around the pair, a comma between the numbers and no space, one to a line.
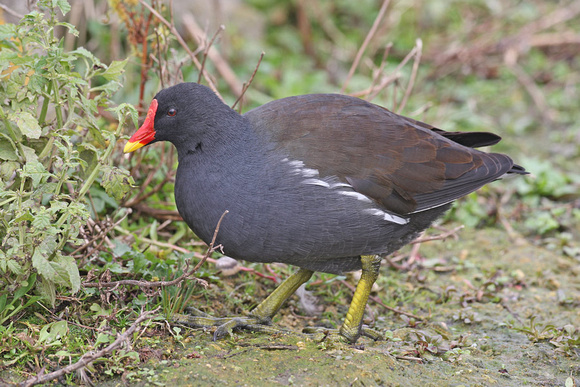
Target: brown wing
(404,165)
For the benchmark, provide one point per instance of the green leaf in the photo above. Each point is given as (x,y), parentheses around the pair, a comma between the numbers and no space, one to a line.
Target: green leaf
(14,266)
(35,171)
(90,158)
(7,169)
(103,338)
(25,217)
(84,52)
(28,125)
(116,182)
(40,258)
(69,265)
(51,333)
(115,70)
(25,288)
(71,28)
(99,310)
(107,88)
(47,290)
(29,154)
(3,299)
(41,263)
(7,32)
(7,151)
(63,5)
(123,109)
(41,219)
(3,263)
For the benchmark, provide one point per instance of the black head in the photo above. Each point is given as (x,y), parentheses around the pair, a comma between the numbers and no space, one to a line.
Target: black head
(185,114)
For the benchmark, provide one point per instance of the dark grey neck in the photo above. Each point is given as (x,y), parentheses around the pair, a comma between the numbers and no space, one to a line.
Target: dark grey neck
(224,138)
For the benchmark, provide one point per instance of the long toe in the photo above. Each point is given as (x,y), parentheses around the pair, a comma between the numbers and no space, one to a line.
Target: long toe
(332,334)
(226,325)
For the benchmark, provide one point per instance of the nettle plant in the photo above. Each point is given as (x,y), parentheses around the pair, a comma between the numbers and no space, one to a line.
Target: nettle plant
(53,147)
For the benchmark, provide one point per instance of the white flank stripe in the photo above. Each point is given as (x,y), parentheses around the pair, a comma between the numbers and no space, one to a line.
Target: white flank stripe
(340,185)
(319,182)
(356,195)
(296,163)
(388,217)
(309,172)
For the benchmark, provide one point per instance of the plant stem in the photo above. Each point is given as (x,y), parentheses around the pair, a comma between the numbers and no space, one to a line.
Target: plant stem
(95,172)
(14,138)
(57,108)
(45,103)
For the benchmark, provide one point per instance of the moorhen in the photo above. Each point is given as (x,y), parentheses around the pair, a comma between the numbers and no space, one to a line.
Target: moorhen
(325,182)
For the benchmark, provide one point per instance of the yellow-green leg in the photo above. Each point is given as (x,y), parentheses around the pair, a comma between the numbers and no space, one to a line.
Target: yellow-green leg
(259,318)
(351,328)
(272,304)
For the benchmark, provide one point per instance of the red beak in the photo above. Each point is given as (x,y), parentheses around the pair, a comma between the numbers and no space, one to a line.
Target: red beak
(146,132)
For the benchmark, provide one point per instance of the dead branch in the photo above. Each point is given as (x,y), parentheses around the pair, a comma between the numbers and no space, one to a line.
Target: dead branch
(378,72)
(145,63)
(11,11)
(186,275)
(89,357)
(441,236)
(247,84)
(366,42)
(157,243)
(103,232)
(157,213)
(212,246)
(555,39)
(145,284)
(213,54)
(305,31)
(533,90)
(182,42)
(419,46)
(518,43)
(206,50)
(140,196)
(373,91)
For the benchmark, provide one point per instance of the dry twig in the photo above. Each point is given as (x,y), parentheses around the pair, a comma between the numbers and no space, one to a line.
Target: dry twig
(183,44)
(373,91)
(212,246)
(366,42)
(441,236)
(89,357)
(153,284)
(11,11)
(213,54)
(380,70)
(533,90)
(206,50)
(102,233)
(419,50)
(247,84)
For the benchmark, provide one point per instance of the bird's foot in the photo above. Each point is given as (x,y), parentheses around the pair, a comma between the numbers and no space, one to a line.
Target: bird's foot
(341,335)
(225,325)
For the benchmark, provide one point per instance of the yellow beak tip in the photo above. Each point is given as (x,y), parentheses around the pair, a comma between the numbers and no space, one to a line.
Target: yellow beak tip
(132,146)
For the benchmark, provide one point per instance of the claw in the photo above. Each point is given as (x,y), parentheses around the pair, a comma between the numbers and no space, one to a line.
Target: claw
(260,318)
(320,334)
(226,325)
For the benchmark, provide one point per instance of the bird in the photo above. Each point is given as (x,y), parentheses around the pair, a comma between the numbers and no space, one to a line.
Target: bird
(326,182)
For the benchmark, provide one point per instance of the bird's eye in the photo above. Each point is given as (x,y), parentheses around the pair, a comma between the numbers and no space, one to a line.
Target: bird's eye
(171,112)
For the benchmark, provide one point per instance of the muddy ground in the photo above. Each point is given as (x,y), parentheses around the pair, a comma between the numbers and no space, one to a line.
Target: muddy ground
(496,310)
